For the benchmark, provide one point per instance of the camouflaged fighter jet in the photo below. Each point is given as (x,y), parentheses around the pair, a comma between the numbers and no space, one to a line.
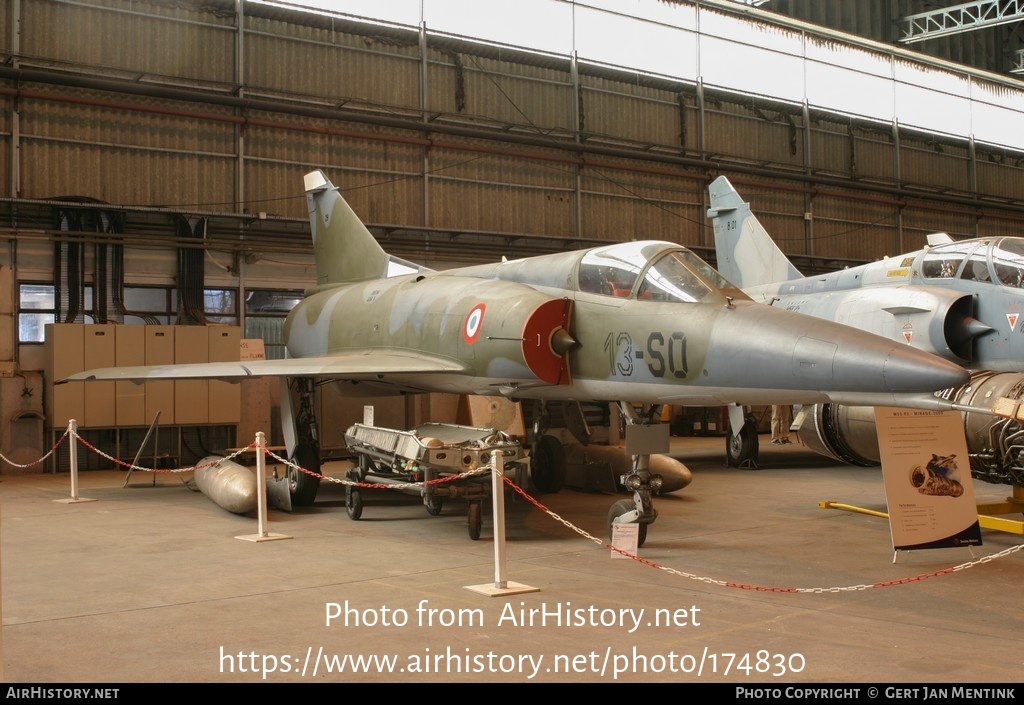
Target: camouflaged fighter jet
(960,300)
(645,322)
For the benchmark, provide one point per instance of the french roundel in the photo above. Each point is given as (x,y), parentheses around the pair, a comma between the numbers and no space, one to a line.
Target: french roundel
(474,321)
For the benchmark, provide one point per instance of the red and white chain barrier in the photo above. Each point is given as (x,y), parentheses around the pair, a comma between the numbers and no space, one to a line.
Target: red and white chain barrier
(258,443)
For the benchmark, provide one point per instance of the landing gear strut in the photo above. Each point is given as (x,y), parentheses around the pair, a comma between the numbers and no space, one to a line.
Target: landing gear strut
(302,485)
(547,458)
(648,435)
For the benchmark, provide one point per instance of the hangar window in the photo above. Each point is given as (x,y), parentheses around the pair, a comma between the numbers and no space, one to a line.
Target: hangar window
(221,306)
(265,311)
(35,309)
(37,306)
(158,305)
(152,305)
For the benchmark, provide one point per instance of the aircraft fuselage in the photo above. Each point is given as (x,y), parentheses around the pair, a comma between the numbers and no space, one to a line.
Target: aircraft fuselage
(962,301)
(532,332)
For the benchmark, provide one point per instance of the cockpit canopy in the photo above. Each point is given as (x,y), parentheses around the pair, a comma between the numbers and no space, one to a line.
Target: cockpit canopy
(675,275)
(647,270)
(996,260)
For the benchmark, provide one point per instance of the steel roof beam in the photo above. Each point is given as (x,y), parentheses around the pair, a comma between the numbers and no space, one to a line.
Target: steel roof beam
(959,18)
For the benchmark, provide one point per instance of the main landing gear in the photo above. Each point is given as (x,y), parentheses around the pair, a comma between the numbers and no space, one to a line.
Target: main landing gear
(547,457)
(305,443)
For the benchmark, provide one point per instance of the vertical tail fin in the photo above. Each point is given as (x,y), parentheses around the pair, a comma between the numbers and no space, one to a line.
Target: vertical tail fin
(747,256)
(345,251)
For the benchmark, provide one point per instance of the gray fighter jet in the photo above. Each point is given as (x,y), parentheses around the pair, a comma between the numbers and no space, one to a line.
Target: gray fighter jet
(960,300)
(637,322)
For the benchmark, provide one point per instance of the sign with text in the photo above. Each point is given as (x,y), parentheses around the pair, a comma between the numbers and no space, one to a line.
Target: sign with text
(928,486)
(251,349)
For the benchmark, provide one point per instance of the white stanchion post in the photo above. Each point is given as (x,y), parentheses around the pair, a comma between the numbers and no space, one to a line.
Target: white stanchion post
(261,495)
(498,492)
(501,585)
(73,456)
(73,460)
(261,483)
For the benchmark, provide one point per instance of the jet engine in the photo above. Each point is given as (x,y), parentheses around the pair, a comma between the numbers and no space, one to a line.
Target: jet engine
(947,319)
(995,445)
(939,321)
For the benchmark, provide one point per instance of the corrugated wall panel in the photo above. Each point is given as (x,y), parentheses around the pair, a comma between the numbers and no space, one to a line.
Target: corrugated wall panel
(832,149)
(919,221)
(763,135)
(636,113)
(852,228)
(513,167)
(276,188)
(294,144)
(997,226)
(5,25)
(318,64)
(126,155)
(506,93)
(931,162)
(5,164)
(850,150)
(872,154)
(1000,174)
(185,40)
(617,219)
(621,205)
(541,190)
(6,106)
(466,205)
(144,123)
(178,181)
(328,65)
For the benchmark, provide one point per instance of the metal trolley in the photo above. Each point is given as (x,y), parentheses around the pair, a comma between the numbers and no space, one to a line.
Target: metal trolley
(427,453)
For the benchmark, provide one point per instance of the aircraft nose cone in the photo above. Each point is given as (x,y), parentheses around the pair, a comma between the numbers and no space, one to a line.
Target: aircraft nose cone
(804,353)
(903,370)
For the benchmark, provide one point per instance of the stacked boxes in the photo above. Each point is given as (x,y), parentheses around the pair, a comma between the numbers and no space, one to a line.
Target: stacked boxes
(73,347)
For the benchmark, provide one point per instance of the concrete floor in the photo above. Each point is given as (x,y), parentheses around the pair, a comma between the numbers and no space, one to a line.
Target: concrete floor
(150,584)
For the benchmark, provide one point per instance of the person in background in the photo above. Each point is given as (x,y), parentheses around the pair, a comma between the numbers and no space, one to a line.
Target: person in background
(782,418)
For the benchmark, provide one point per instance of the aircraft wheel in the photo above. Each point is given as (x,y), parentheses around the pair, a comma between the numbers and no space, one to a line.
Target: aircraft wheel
(303,486)
(548,464)
(475,519)
(618,509)
(742,448)
(434,506)
(354,504)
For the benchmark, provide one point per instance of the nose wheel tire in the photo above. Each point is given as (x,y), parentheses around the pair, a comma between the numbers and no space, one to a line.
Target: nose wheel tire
(618,509)
(741,449)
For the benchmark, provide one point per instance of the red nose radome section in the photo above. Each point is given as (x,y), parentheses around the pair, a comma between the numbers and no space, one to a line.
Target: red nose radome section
(546,341)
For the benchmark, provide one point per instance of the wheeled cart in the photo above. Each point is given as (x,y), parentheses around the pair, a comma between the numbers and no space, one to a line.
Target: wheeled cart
(423,457)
